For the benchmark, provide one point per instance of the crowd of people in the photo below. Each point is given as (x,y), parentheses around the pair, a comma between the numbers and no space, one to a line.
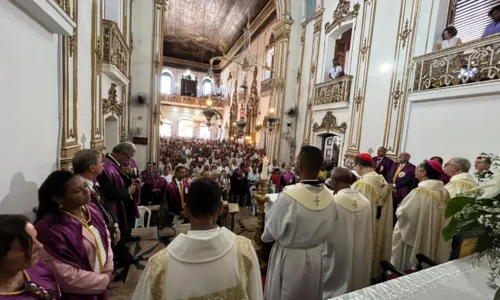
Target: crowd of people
(336,232)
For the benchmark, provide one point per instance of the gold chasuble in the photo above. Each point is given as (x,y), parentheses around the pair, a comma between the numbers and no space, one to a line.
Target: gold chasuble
(308,199)
(374,187)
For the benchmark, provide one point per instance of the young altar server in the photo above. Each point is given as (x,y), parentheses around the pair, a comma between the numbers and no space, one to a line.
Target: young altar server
(300,222)
(208,262)
(421,220)
(347,262)
(374,187)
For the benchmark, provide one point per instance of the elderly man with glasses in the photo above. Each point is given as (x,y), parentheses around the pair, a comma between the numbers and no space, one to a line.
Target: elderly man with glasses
(120,189)
(461,181)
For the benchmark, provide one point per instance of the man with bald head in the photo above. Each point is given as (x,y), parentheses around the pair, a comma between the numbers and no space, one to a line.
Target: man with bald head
(402,179)
(347,261)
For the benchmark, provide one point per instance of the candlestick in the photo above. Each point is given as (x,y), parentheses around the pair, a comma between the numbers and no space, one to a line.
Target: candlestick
(265,165)
(261,199)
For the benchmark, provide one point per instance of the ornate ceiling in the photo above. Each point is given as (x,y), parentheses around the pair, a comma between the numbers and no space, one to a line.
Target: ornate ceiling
(197,30)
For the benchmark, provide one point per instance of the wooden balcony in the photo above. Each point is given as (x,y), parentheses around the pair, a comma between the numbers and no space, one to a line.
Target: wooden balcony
(191,101)
(115,53)
(470,63)
(333,91)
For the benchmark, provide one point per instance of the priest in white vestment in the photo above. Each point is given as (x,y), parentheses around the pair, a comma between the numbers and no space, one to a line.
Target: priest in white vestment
(300,221)
(206,263)
(421,220)
(376,189)
(347,262)
(461,181)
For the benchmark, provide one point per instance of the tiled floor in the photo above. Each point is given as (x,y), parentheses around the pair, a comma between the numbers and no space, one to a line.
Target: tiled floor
(149,245)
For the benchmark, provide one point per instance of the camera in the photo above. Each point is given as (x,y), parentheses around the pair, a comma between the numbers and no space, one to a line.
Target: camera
(288,124)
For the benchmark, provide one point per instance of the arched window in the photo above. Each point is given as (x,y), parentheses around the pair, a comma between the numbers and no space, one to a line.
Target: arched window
(166,83)
(204,132)
(186,128)
(166,129)
(269,62)
(207,87)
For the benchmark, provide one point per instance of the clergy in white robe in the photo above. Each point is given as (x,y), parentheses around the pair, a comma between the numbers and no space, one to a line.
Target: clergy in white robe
(300,221)
(376,189)
(421,220)
(206,263)
(347,262)
(461,181)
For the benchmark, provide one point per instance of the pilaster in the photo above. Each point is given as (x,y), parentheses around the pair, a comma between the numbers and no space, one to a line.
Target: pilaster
(97,119)
(69,139)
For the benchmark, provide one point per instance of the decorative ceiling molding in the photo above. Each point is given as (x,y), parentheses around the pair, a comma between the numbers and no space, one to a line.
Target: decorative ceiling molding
(329,124)
(342,14)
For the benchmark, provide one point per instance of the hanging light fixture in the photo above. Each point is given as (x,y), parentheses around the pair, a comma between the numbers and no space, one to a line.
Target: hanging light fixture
(271,119)
(209,112)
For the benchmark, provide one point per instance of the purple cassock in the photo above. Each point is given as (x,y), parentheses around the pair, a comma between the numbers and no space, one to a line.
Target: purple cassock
(147,177)
(382,166)
(159,189)
(114,186)
(173,195)
(285,179)
(444,178)
(41,281)
(62,237)
(405,182)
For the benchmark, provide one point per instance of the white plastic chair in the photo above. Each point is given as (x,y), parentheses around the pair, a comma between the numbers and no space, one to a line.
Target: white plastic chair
(140,221)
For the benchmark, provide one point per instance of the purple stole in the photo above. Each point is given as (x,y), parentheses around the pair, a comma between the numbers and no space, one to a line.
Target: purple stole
(382,166)
(64,241)
(174,197)
(114,174)
(406,175)
(286,177)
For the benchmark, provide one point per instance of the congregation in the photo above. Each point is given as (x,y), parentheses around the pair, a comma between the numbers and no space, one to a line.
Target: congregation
(337,233)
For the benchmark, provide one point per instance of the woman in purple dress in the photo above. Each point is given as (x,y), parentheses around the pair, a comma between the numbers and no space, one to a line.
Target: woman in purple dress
(22,275)
(76,241)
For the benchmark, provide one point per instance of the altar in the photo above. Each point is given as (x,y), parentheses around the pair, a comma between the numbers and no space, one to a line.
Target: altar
(462,279)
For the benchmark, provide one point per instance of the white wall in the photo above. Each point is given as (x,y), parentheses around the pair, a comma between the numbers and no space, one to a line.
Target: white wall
(29,117)
(453,126)
(141,65)
(84,72)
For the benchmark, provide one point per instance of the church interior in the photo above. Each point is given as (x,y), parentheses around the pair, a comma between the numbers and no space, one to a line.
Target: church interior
(209,85)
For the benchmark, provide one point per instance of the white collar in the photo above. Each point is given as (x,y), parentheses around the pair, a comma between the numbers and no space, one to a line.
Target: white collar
(204,245)
(347,191)
(89,183)
(110,157)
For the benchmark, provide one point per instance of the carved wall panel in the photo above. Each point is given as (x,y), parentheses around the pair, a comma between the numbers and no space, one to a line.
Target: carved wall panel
(342,13)
(115,49)
(97,119)
(400,76)
(69,142)
(329,124)
(337,90)
(360,81)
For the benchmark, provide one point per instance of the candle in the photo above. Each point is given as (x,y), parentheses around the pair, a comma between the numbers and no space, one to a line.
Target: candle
(265,165)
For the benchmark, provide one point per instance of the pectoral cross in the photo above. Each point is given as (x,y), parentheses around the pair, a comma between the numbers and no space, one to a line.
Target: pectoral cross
(317,201)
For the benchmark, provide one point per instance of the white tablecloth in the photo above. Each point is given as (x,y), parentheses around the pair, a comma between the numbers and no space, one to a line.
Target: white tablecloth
(462,279)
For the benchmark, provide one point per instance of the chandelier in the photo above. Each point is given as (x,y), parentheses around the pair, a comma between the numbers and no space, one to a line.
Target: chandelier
(209,112)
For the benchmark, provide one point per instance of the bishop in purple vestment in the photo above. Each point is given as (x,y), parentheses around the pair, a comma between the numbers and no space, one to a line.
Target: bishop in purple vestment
(120,191)
(286,178)
(402,179)
(382,164)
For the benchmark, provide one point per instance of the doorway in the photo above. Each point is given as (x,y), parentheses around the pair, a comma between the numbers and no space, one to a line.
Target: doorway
(331,149)
(342,50)
(111,133)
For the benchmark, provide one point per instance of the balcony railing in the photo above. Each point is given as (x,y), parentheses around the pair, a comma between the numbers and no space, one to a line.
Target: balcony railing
(332,91)
(64,4)
(200,102)
(115,50)
(266,85)
(468,63)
